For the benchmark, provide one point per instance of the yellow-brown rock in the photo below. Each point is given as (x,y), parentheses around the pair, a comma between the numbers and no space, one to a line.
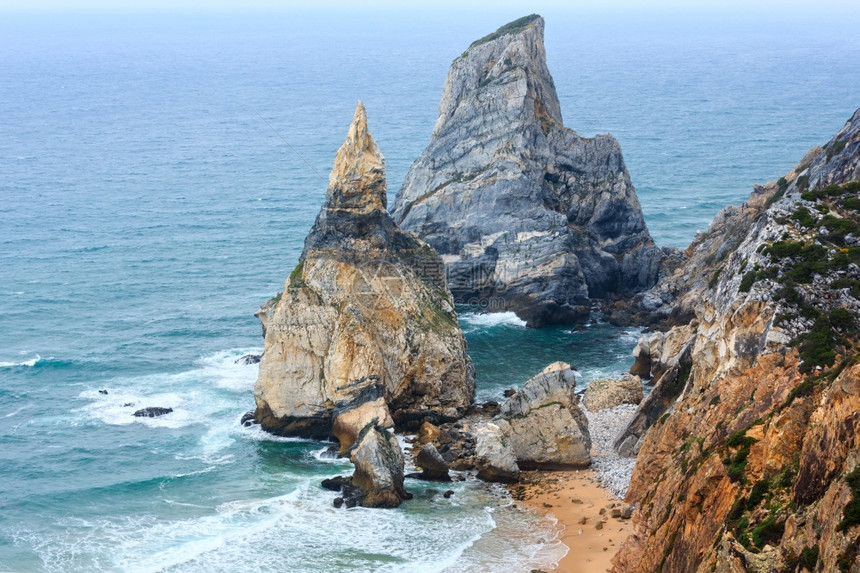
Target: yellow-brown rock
(364,329)
(754,464)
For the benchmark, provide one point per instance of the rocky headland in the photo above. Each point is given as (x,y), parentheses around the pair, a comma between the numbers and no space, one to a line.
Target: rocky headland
(364,338)
(527,215)
(748,447)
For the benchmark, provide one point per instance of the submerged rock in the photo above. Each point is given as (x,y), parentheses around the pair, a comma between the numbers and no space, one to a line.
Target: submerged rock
(527,215)
(152,412)
(249,359)
(248,419)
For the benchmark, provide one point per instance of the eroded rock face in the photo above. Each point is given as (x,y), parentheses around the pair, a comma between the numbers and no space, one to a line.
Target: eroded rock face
(365,328)
(750,466)
(527,215)
(433,466)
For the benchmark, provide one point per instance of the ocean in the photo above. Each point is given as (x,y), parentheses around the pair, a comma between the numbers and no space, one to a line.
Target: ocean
(159,174)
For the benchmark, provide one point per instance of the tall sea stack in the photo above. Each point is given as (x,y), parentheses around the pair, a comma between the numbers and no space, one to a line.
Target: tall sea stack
(527,215)
(365,328)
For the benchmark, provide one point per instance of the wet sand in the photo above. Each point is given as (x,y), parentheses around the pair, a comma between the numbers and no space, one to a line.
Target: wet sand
(584,509)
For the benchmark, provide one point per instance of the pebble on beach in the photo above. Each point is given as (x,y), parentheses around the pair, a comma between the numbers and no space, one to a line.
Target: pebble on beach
(611,470)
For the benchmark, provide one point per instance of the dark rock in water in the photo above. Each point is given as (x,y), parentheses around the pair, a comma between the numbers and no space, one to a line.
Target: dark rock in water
(128,405)
(433,466)
(489,408)
(351,502)
(528,215)
(510,392)
(338,502)
(103,392)
(249,359)
(336,483)
(330,453)
(152,412)
(448,494)
(248,419)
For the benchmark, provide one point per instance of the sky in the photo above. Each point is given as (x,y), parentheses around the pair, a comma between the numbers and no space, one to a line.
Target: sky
(775,7)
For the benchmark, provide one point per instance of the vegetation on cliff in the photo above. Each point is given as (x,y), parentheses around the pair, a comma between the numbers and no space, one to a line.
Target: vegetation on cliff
(754,467)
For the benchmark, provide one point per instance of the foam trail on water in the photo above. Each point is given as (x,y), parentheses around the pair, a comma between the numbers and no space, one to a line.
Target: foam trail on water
(25,363)
(474,321)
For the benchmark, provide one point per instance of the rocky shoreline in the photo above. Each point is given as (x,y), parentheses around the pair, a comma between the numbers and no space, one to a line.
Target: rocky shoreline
(744,454)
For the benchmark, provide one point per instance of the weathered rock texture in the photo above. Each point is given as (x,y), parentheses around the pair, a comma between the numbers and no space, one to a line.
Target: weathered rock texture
(544,423)
(755,463)
(378,468)
(494,458)
(603,393)
(527,215)
(365,321)
(364,336)
(433,466)
(540,427)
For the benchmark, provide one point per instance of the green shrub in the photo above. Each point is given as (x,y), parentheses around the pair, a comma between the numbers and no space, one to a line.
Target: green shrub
(852,284)
(851,512)
(834,149)
(803,217)
(842,319)
(809,557)
(768,531)
(747,281)
(296,278)
(757,494)
(852,203)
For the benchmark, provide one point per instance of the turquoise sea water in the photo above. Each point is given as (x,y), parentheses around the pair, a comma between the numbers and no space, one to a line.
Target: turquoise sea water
(146,209)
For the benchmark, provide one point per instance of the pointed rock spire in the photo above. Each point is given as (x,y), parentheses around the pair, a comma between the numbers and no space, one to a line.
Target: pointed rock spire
(357,180)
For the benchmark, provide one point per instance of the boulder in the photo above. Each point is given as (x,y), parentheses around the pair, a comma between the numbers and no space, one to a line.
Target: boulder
(527,215)
(603,393)
(428,433)
(544,424)
(378,468)
(494,457)
(249,359)
(433,467)
(152,412)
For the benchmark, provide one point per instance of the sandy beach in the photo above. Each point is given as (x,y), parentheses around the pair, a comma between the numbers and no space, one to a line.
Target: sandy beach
(583,500)
(584,509)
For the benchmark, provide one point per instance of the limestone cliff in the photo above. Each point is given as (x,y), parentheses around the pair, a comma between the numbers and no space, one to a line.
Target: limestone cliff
(527,215)
(365,329)
(752,459)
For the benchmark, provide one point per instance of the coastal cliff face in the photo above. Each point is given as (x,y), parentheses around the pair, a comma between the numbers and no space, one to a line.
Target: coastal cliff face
(365,329)
(749,443)
(527,215)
